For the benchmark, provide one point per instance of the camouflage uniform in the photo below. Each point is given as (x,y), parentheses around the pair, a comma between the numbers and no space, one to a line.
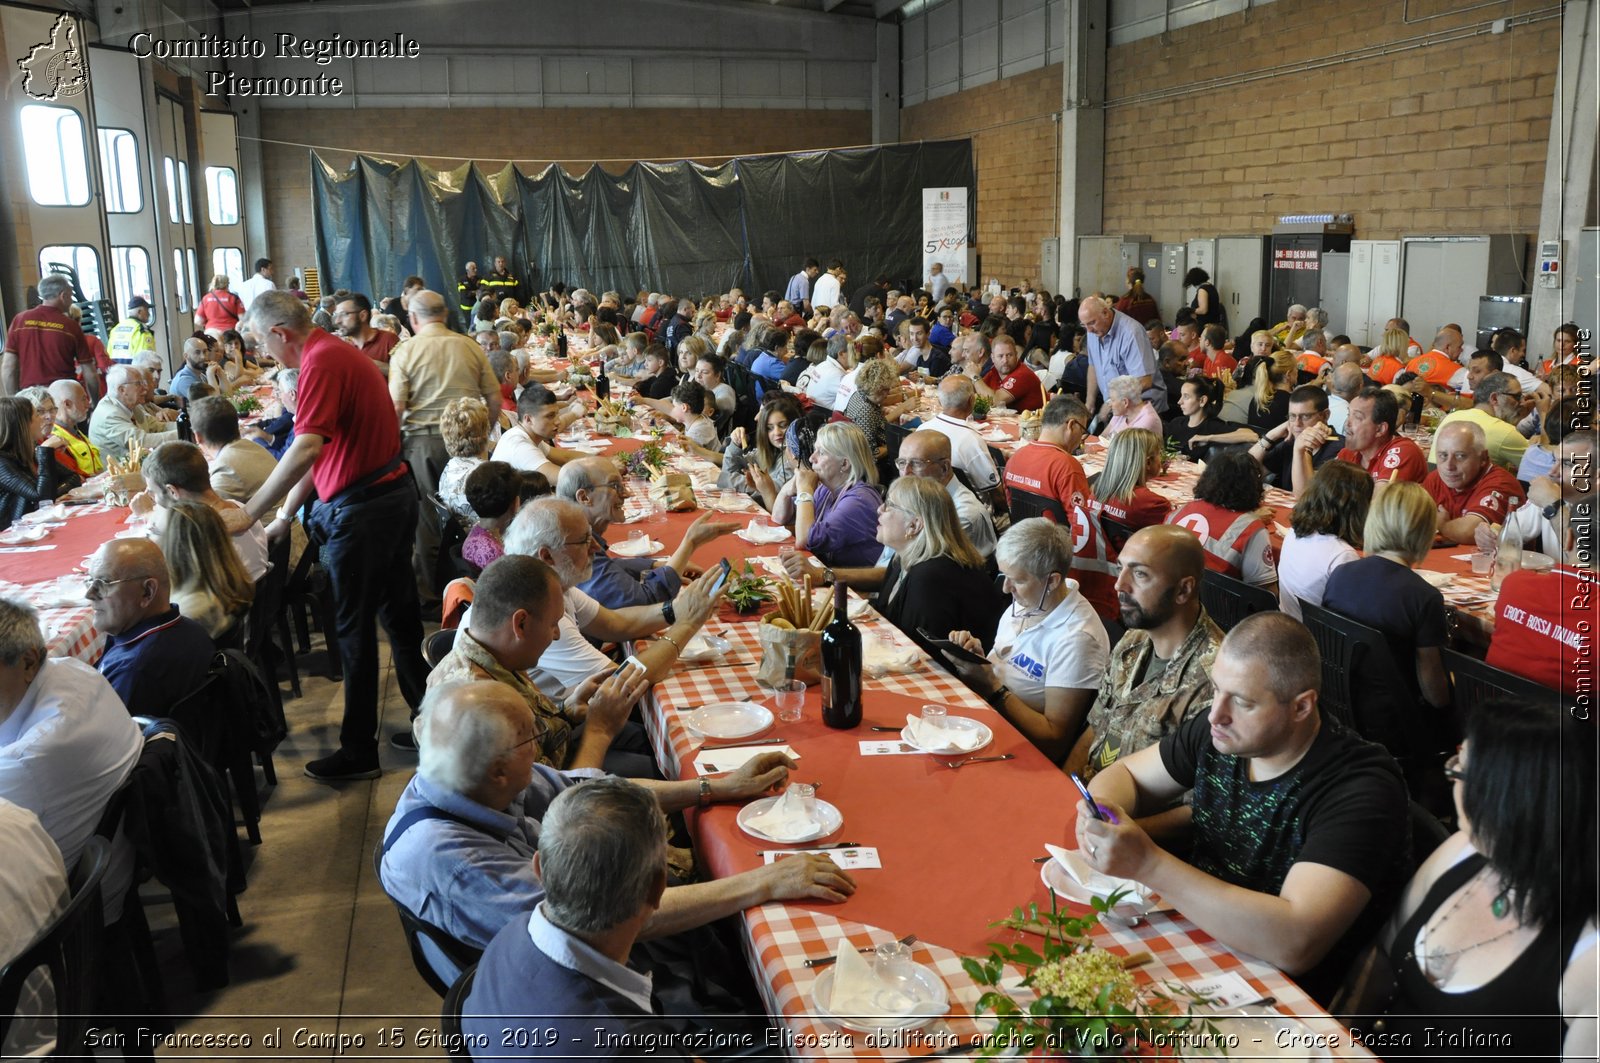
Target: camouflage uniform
(469,659)
(1127,717)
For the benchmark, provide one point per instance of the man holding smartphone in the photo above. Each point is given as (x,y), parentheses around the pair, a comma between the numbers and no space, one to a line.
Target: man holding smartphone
(1302,838)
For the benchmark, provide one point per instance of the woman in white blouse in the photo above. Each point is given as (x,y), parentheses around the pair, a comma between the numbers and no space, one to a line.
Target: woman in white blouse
(1324,533)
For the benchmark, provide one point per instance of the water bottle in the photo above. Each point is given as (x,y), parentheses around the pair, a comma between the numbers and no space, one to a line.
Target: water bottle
(1507,556)
(841,665)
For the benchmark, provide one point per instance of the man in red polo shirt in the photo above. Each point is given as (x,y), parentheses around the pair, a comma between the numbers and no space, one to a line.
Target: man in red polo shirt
(1047,466)
(44,345)
(1468,487)
(347,447)
(1010,383)
(1213,358)
(1372,442)
(353,319)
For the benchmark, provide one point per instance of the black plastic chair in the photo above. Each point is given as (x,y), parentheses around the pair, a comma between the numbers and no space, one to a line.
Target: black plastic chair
(69,949)
(1026,504)
(1362,684)
(266,613)
(449,564)
(1478,681)
(437,645)
(450,1015)
(1117,533)
(1228,600)
(464,956)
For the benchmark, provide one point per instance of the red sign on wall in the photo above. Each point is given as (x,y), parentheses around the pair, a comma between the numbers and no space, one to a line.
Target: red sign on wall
(1289,258)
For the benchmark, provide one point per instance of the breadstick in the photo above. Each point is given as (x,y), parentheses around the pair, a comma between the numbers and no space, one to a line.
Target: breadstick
(810,609)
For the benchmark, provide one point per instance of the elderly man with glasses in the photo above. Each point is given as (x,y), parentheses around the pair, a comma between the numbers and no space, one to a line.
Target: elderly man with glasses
(927,453)
(595,485)
(1048,468)
(154,658)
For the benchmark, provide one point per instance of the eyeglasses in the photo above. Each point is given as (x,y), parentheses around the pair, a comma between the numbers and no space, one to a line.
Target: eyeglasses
(585,541)
(95,586)
(905,463)
(1453,770)
(531,738)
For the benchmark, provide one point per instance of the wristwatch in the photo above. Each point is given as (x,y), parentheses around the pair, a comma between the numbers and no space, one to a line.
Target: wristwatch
(827,576)
(705,792)
(668,613)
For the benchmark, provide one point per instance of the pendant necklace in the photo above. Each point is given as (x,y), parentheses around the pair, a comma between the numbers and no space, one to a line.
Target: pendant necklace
(1439,963)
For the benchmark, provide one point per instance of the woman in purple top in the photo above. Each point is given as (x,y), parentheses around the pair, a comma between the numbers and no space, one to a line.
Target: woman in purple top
(836,499)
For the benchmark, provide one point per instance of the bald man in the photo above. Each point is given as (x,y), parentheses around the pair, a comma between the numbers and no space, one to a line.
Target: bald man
(595,485)
(928,453)
(1160,670)
(426,373)
(154,657)
(72,409)
(1469,488)
(1118,346)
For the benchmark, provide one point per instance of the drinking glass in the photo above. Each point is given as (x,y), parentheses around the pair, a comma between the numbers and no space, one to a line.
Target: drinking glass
(791,698)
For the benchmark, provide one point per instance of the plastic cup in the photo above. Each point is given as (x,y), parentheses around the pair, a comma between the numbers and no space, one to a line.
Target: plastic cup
(1482,563)
(806,794)
(791,699)
(933,715)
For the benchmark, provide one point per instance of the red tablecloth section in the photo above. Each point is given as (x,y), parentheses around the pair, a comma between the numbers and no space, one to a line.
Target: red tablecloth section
(953,857)
(86,528)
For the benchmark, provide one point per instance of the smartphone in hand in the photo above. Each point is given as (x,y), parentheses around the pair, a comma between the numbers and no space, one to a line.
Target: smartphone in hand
(723,577)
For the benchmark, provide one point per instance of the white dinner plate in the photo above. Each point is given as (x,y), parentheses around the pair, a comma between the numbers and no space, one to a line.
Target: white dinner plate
(954,723)
(1262,1033)
(764,535)
(24,534)
(1064,886)
(1437,580)
(730,719)
(829,819)
(924,989)
(636,548)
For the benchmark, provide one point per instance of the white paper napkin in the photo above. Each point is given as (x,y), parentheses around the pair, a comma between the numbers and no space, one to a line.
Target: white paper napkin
(1096,883)
(631,548)
(857,989)
(942,736)
(759,531)
(882,658)
(787,819)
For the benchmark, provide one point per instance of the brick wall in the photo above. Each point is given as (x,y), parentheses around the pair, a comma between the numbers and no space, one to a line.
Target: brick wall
(488,133)
(1432,138)
(1015,148)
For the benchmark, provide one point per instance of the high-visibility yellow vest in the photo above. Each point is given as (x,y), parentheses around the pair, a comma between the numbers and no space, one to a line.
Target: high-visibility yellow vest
(129,338)
(85,455)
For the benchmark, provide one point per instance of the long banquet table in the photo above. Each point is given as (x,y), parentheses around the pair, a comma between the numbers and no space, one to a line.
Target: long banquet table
(957,847)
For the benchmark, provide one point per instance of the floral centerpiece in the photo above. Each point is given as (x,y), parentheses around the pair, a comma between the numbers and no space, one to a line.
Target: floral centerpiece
(980,408)
(1076,998)
(749,592)
(646,463)
(245,402)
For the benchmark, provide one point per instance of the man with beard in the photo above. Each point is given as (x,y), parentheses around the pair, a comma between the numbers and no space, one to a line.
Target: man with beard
(353,317)
(1160,670)
(1301,839)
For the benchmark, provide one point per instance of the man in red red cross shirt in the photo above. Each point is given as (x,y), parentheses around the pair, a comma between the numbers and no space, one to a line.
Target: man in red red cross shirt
(1371,434)
(1010,383)
(1468,487)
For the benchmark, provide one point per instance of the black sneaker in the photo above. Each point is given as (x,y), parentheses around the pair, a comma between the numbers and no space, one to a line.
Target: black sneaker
(404,741)
(343,767)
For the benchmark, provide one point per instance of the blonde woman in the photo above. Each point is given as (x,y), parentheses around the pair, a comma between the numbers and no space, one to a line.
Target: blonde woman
(209,583)
(219,309)
(1271,380)
(937,581)
(1120,492)
(836,499)
(1390,357)
(1381,590)
(465,427)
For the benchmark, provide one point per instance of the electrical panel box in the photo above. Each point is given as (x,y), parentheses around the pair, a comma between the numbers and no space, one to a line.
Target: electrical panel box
(1549,274)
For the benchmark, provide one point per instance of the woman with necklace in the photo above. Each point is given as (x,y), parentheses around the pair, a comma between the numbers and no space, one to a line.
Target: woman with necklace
(1494,941)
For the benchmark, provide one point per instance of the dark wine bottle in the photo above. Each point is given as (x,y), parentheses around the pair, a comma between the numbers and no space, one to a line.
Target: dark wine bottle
(602,383)
(185,432)
(841,666)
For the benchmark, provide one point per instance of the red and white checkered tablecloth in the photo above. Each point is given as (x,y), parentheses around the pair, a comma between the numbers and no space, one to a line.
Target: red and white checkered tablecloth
(780,939)
(48,580)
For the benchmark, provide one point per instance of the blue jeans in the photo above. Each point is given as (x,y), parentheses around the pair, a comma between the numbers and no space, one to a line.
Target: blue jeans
(366,550)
